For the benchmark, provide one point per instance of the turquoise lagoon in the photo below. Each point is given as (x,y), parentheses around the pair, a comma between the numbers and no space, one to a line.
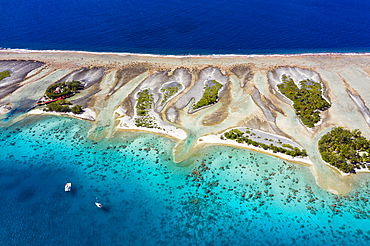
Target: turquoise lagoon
(218,196)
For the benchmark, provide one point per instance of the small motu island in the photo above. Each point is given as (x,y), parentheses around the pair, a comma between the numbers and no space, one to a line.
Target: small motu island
(307,99)
(345,149)
(143,105)
(242,136)
(55,97)
(210,95)
(169,91)
(291,107)
(4,74)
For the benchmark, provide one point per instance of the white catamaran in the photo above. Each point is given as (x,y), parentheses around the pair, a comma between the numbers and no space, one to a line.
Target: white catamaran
(68,187)
(98,204)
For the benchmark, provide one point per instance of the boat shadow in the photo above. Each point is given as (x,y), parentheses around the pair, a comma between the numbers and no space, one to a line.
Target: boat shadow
(105,209)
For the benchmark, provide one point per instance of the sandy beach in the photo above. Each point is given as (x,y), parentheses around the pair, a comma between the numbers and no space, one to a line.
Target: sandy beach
(214,139)
(126,123)
(248,97)
(87,114)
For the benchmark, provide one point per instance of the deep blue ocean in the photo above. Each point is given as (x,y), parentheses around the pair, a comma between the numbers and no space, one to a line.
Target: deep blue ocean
(187,27)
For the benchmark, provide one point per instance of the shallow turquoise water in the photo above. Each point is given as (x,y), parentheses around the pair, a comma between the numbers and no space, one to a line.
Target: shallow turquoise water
(218,196)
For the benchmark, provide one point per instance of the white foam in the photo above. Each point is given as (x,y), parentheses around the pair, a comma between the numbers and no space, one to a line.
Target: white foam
(6,50)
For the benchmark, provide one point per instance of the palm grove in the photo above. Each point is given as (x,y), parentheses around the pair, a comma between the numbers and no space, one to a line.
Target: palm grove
(345,149)
(307,100)
(59,90)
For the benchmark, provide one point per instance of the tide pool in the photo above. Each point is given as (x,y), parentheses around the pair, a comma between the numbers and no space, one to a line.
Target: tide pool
(218,196)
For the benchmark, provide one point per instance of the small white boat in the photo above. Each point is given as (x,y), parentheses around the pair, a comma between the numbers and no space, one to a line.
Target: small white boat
(98,204)
(68,187)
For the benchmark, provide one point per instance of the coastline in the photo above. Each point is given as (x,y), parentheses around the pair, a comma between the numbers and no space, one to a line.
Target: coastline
(87,114)
(126,123)
(215,139)
(179,134)
(343,173)
(236,109)
(10,50)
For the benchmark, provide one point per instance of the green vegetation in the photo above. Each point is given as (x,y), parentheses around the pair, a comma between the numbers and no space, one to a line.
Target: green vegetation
(345,149)
(307,100)
(144,102)
(4,74)
(63,106)
(169,91)
(143,105)
(238,136)
(62,89)
(59,106)
(287,146)
(210,95)
(77,109)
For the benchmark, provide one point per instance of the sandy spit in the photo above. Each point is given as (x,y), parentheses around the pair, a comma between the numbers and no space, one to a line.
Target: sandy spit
(215,139)
(127,123)
(87,114)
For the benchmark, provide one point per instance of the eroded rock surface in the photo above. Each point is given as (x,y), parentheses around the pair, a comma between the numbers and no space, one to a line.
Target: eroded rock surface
(244,73)
(18,71)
